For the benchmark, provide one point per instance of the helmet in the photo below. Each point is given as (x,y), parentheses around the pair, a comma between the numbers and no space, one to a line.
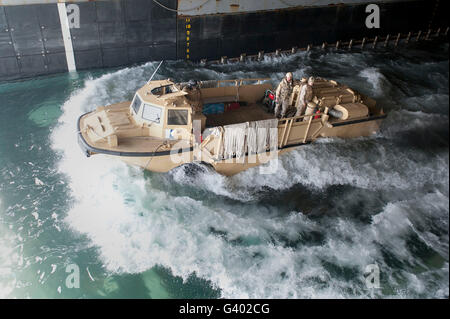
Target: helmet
(192,83)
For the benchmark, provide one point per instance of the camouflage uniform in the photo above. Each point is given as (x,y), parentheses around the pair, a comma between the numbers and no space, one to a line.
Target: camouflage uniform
(284,91)
(306,95)
(195,97)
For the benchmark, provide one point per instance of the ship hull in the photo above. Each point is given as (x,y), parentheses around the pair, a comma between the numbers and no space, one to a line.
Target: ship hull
(126,32)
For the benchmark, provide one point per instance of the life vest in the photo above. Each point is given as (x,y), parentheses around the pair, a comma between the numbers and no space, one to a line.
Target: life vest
(317,116)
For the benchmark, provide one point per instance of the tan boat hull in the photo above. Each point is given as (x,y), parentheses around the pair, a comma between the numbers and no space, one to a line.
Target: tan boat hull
(120,131)
(235,166)
(160,164)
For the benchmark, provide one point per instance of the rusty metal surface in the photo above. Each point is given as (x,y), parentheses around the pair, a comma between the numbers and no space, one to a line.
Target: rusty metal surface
(195,7)
(220,6)
(25,2)
(211,36)
(119,32)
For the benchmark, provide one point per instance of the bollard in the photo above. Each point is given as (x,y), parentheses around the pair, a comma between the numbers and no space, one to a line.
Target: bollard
(324,46)
(308,48)
(242,57)
(408,37)
(277,52)
(260,55)
(446,31)
(375,42)
(337,44)
(438,32)
(418,35)
(363,42)
(427,37)
(350,44)
(223,60)
(397,40)
(387,40)
(294,50)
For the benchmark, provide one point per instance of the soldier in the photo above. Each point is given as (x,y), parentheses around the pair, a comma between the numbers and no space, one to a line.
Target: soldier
(283,93)
(298,89)
(303,81)
(194,96)
(306,95)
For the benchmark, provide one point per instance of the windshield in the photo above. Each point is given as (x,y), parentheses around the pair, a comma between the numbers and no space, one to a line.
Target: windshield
(163,90)
(177,117)
(136,104)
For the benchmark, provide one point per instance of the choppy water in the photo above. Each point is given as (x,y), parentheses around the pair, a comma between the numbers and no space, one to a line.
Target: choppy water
(333,207)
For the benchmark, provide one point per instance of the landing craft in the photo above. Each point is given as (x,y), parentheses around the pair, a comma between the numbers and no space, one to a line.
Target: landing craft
(225,123)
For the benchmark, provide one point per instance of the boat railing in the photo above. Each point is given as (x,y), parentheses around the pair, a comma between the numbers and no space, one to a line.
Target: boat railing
(288,122)
(235,82)
(286,125)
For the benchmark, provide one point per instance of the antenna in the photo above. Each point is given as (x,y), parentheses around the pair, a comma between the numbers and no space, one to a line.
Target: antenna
(155,71)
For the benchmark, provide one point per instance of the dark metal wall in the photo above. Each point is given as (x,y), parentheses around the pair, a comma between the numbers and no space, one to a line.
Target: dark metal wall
(30,41)
(230,35)
(112,33)
(123,32)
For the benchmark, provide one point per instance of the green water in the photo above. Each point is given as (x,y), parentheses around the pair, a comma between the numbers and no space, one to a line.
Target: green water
(36,244)
(307,232)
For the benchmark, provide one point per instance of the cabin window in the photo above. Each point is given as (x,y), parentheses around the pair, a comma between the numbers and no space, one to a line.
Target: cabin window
(136,104)
(177,117)
(163,90)
(157,91)
(151,113)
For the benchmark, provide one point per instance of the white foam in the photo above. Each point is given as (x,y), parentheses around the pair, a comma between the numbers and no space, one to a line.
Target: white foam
(380,85)
(38,182)
(10,258)
(361,162)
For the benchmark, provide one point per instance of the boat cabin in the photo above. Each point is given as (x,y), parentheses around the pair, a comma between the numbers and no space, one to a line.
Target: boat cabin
(163,109)
(168,109)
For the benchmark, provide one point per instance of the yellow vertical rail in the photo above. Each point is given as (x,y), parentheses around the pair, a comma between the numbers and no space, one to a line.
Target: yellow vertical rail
(188,38)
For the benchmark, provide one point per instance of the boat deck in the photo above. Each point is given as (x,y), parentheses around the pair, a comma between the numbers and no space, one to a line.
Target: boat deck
(246,113)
